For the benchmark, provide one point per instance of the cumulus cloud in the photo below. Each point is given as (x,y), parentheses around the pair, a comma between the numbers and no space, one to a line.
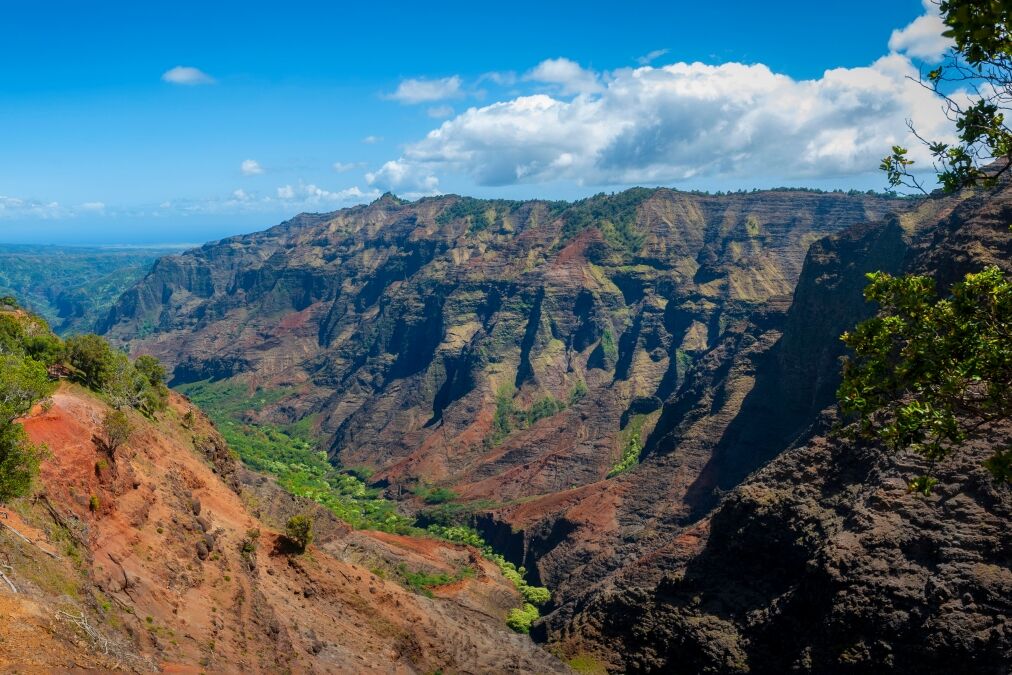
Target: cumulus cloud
(309,194)
(676,122)
(251,167)
(922,38)
(93,206)
(568,76)
(424,91)
(403,175)
(372,140)
(344,167)
(187,75)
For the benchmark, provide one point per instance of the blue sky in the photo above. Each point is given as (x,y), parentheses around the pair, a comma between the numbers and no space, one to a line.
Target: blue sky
(166,122)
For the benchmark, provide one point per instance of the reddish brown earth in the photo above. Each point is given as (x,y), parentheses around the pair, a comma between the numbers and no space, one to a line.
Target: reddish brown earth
(130,569)
(744,540)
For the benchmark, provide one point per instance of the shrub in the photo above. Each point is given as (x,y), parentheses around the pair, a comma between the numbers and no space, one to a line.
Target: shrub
(929,374)
(19,461)
(536,595)
(520,619)
(116,430)
(299,531)
(92,357)
(94,504)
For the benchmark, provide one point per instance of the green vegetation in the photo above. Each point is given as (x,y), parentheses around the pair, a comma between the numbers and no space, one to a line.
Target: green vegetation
(29,351)
(480,214)
(437,495)
(298,466)
(578,392)
(929,374)
(299,531)
(306,472)
(614,215)
(520,619)
(423,582)
(983,58)
(95,364)
(508,417)
(72,287)
(632,448)
(533,595)
(116,430)
(23,383)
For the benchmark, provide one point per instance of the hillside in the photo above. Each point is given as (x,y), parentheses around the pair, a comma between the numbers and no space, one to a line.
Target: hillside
(72,286)
(503,350)
(594,387)
(822,560)
(143,544)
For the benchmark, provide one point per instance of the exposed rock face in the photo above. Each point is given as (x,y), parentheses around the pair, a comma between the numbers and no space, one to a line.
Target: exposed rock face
(821,561)
(403,327)
(426,337)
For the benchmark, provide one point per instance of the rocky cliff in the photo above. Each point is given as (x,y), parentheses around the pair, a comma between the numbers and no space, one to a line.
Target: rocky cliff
(820,561)
(504,349)
(601,384)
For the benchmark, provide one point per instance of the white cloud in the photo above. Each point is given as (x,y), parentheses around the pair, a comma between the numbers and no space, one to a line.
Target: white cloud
(403,175)
(666,124)
(440,112)
(93,206)
(503,78)
(251,167)
(241,195)
(567,75)
(371,140)
(309,194)
(344,167)
(652,56)
(187,75)
(922,38)
(423,90)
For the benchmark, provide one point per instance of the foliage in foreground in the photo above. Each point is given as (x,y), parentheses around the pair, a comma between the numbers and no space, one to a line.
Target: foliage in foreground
(29,353)
(982,63)
(930,374)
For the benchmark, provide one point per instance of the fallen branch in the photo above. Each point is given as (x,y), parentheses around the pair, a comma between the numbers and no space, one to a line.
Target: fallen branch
(29,541)
(81,621)
(9,582)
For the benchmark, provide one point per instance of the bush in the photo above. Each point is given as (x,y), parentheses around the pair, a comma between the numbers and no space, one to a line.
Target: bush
(116,430)
(299,531)
(536,595)
(520,619)
(93,358)
(19,461)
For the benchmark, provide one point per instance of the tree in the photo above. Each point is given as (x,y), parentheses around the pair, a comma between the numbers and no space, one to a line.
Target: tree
(19,461)
(23,382)
(930,374)
(299,531)
(151,368)
(124,385)
(116,430)
(93,358)
(982,63)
